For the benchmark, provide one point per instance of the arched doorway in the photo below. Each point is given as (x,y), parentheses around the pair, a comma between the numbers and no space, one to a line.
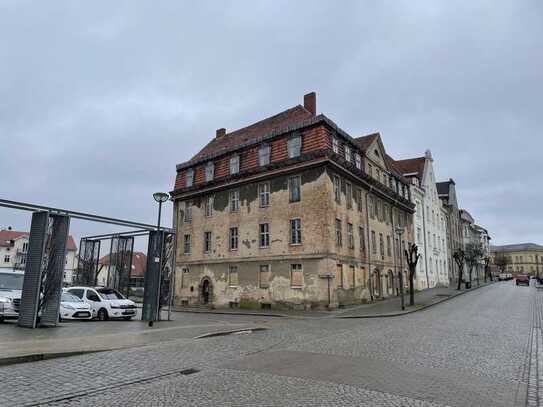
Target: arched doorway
(376,283)
(206,291)
(390,283)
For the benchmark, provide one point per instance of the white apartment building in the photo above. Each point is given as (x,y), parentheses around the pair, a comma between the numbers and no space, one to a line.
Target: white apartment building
(430,222)
(14,248)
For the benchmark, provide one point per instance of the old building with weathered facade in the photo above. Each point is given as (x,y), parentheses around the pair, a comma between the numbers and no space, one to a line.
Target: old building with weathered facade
(290,212)
(447,193)
(430,222)
(522,258)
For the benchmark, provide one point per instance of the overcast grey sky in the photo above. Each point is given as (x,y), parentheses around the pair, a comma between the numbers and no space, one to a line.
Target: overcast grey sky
(100,100)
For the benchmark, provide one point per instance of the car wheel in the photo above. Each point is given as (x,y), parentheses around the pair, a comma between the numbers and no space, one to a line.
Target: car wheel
(127,318)
(59,318)
(1,319)
(517,282)
(102,315)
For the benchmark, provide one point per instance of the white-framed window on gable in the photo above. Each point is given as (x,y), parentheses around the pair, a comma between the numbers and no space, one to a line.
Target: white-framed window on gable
(234,200)
(347,153)
(264,153)
(189,178)
(335,145)
(294,145)
(264,194)
(234,164)
(210,171)
(208,206)
(296,231)
(358,161)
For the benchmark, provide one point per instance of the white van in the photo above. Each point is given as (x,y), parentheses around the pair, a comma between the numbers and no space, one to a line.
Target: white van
(11,287)
(106,303)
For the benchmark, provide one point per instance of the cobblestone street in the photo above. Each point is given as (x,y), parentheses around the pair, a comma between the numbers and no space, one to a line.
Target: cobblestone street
(479,349)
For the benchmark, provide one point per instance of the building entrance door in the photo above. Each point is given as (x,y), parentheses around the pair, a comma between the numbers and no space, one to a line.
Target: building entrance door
(206,291)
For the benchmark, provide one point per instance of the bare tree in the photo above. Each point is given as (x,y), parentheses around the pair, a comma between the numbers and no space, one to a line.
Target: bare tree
(412,256)
(459,259)
(474,254)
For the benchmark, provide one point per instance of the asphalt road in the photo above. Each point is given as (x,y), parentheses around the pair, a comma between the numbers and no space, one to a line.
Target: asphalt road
(479,349)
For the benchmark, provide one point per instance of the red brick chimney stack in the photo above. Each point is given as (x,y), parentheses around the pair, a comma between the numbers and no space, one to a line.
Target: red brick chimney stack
(310,103)
(221,132)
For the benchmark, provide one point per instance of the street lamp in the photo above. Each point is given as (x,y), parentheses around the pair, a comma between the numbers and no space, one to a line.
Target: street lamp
(400,231)
(160,197)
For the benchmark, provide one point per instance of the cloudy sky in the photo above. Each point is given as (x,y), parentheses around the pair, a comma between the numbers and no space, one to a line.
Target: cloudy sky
(100,100)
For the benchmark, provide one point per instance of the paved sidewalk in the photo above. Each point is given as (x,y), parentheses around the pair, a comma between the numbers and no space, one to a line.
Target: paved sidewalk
(392,306)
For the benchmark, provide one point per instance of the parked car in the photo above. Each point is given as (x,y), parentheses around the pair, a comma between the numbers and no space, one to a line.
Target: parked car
(505,276)
(11,287)
(72,307)
(523,279)
(106,303)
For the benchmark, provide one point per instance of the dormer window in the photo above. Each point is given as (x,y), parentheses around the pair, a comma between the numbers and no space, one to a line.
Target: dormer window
(347,153)
(189,180)
(294,145)
(234,164)
(358,161)
(210,171)
(377,153)
(335,145)
(264,153)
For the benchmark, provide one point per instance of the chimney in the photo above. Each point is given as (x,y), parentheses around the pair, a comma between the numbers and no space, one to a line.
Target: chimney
(310,103)
(221,132)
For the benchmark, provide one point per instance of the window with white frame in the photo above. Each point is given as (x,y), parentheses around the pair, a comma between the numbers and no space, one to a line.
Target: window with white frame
(359,199)
(339,239)
(186,244)
(349,195)
(337,189)
(189,179)
(294,188)
(233,277)
(207,242)
(296,275)
(264,153)
(208,206)
(234,164)
(362,239)
(7,258)
(264,235)
(188,212)
(264,194)
(335,145)
(234,200)
(233,239)
(350,235)
(294,145)
(210,171)
(358,161)
(347,153)
(296,231)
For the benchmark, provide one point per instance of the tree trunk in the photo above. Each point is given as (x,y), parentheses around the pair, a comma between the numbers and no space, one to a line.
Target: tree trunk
(459,278)
(411,289)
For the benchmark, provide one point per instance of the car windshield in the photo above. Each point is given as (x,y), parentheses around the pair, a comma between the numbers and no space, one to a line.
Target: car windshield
(11,281)
(70,298)
(110,294)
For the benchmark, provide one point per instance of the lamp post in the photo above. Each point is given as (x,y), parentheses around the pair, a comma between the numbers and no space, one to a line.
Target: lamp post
(159,197)
(400,231)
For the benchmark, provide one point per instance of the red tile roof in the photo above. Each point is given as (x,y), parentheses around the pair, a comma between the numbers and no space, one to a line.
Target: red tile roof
(7,235)
(139,263)
(277,122)
(412,166)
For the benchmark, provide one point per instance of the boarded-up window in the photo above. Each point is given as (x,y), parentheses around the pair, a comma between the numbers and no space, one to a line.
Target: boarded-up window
(296,275)
(233,279)
(264,275)
(339,275)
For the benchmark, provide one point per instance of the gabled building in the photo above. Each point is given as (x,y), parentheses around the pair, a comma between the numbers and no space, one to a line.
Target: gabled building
(14,248)
(290,211)
(447,193)
(430,222)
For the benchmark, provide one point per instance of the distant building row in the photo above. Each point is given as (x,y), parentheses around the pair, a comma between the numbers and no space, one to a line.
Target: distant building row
(292,211)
